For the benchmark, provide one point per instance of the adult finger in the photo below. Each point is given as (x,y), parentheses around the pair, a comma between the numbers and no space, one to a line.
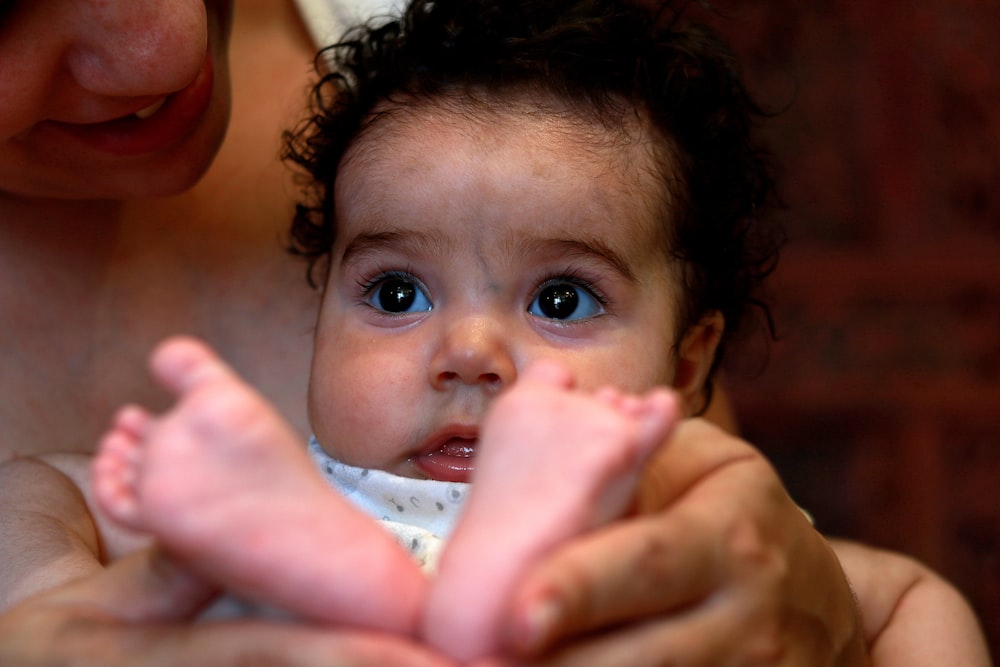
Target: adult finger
(143,586)
(648,564)
(240,643)
(709,635)
(137,613)
(751,621)
(53,636)
(626,572)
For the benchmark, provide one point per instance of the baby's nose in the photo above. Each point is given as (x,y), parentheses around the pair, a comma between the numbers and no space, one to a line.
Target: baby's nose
(473,351)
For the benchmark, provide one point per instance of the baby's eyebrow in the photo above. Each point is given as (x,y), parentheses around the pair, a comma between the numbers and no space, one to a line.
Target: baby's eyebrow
(581,247)
(406,241)
(425,244)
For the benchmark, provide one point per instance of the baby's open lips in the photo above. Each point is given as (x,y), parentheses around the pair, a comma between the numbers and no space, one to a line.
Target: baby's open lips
(450,456)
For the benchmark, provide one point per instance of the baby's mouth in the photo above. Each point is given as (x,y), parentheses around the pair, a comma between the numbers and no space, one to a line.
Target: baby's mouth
(450,460)
(458,448)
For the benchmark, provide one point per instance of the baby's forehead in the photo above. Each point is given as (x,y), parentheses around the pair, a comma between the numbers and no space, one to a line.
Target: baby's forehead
(615,123)
(615,137)
(515,167)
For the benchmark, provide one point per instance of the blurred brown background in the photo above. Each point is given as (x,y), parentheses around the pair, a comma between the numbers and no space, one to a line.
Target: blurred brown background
(881,404)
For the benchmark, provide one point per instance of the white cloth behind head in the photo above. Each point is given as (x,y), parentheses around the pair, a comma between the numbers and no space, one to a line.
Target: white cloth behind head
(327,20)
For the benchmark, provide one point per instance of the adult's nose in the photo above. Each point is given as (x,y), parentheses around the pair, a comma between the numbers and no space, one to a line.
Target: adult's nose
(131,48)
(474,351)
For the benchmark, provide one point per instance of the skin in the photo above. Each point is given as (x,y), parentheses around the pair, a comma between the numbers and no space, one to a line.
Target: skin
(137,612)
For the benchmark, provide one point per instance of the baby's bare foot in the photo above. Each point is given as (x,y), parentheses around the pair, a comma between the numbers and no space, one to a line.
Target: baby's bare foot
(552,463)
(227,487)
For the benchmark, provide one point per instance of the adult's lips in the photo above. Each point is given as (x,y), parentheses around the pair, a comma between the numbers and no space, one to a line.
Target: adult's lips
(146,112)
(160,124)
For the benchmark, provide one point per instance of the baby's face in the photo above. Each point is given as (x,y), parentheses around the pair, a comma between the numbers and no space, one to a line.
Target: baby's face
(467,250)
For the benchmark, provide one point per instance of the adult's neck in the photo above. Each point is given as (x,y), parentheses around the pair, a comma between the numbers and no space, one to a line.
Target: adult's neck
(18,210)
(88,288)
(45,240)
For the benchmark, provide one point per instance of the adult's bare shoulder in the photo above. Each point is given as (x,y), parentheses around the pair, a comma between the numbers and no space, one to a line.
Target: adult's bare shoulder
(911,615)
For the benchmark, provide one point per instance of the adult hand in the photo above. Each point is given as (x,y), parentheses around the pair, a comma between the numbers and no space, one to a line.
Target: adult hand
(719,567)
(137,611)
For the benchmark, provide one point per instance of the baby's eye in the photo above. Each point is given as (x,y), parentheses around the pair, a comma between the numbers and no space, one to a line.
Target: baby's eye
(565,301)
(397,294)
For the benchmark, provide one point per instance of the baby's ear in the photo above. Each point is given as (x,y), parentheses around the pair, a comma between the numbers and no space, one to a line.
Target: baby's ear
(696,353)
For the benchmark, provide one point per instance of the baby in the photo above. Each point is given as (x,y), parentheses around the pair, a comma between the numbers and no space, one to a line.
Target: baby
(514,271)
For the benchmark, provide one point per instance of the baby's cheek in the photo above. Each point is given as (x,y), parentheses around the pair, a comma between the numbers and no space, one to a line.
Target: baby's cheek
(638,370)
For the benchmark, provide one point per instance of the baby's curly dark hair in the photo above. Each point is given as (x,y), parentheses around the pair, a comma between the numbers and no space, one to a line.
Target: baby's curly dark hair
(600,56)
